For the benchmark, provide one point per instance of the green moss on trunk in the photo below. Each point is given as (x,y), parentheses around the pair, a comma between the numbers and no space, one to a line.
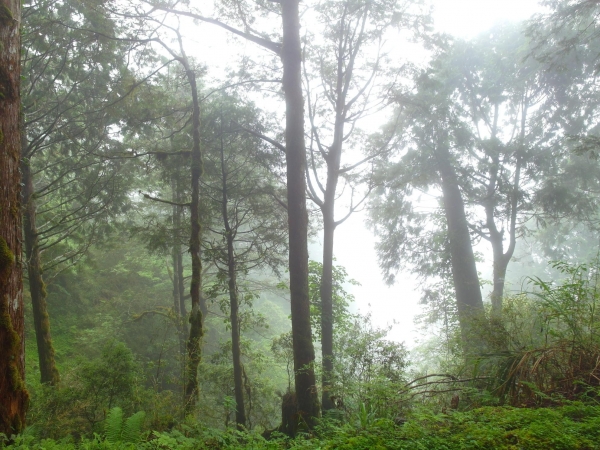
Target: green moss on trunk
(7,259)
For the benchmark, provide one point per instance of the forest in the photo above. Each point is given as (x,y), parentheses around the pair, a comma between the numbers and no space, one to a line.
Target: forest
(169,228)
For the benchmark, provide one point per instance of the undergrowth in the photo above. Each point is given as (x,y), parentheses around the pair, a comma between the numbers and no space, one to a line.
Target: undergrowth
(571,426)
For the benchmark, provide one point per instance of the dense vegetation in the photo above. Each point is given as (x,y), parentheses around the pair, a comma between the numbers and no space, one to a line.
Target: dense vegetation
(166,214)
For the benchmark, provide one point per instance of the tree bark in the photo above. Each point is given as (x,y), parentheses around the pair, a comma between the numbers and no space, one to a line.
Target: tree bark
(326,288)
(326,293)
(304,353)
(196,331)
(37,288)
(177,269)
(13,395)
(240,410)
(464,270)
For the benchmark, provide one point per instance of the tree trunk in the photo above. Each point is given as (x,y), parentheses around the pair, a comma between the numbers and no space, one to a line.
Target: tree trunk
(500,263)
(464,270)
(326,293)
(304,353)
(240,410)
(178,270)
(196,331)
(13,395)
(502,258)
(37,288)
(333,161)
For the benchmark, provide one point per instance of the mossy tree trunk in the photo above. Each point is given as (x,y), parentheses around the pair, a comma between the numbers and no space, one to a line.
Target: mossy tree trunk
(37,288)
(196,331)
(13,395)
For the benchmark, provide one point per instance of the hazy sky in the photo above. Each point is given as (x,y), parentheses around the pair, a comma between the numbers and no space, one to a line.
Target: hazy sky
(467,18)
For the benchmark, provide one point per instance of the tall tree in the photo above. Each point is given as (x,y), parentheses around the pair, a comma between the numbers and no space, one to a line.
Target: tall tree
(249,232)
(496,94)
(13,395)
(498,154)
(343,84)
(290,52)
(434,137)
(72,74)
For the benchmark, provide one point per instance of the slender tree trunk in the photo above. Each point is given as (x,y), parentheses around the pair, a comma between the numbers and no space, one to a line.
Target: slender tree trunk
(304,353)
(502,258)
(333,161)
(13,395)
(240,410)
(196,331)
(464,270)
(179,256)
(180,278)
(37,288)
(326,293)
(177,269)
(500,263)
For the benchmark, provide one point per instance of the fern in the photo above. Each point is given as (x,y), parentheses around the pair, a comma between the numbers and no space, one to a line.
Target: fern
(133,427)
(113,425)
(117,430)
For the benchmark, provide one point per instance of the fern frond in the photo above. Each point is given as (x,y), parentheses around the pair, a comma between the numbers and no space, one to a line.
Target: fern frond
(113,425)
(133,427)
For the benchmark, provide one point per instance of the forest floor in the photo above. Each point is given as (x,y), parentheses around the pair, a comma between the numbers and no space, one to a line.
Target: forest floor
(571,426)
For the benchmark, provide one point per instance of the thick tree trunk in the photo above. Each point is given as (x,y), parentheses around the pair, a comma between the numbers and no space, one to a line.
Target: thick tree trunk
(304,353)
(464,270)
(37,288)
(196,331)
(240,410)
(13,395)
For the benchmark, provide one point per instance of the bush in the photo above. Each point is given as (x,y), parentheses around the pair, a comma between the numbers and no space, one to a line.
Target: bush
(87,392)
(554,346)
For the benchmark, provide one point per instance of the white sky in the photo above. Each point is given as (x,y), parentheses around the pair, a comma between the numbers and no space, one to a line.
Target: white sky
(354,244)
(467,18)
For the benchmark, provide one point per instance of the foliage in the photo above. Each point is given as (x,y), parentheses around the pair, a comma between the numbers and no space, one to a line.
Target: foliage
(118,429)
(369,370)
(90,389)
(553,340)
(341,298)
(572,426)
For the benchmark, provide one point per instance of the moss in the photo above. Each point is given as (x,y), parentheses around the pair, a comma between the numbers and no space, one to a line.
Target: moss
(43,291)
(45,323)
(7,259)
(7,90)
(16,380)
(15,340)
(6,14)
